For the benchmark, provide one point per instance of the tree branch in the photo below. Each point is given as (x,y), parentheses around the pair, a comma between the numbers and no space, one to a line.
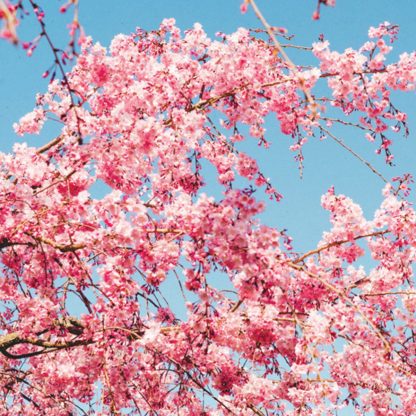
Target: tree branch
(285,57)
(355,154)
(336,243)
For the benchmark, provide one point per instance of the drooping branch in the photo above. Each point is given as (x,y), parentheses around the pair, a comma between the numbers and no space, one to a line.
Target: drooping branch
(355,154)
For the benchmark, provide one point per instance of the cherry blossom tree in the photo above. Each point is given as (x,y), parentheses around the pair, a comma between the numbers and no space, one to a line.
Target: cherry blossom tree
(264,330)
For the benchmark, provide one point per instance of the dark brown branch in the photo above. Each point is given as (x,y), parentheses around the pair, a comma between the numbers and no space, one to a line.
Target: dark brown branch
(71,324)
(4,243)
(74,326)
(10,340)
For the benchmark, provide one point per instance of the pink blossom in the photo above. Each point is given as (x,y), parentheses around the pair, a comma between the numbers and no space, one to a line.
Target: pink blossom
(31,123)
(140,272)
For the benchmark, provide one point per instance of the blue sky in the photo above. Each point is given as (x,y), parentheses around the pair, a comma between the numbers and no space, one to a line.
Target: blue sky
(326,164)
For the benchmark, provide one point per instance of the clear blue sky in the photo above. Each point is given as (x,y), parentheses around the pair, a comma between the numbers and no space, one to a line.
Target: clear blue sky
(326,163)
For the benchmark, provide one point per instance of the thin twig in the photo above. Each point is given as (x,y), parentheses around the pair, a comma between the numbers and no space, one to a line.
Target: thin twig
(355,154)
(346,123)
(404,292)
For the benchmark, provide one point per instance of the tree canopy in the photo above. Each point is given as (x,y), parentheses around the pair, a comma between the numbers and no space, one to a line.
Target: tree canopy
(156,119)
